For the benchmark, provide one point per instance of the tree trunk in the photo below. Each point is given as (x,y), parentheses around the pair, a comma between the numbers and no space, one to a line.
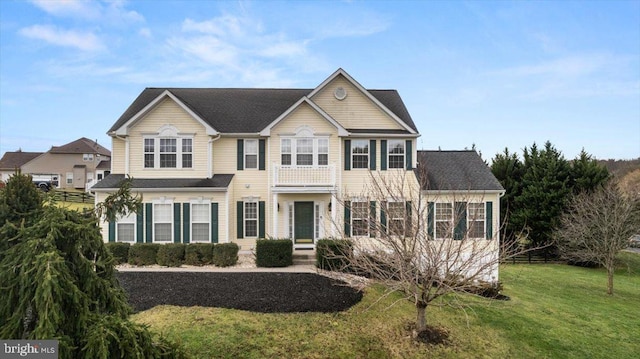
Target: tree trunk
(421,319)
(610,268)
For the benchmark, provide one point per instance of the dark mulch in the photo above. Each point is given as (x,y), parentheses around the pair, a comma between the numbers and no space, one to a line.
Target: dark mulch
(257,292)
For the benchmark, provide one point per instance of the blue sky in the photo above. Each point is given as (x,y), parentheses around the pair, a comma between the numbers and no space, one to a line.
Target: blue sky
(494,74)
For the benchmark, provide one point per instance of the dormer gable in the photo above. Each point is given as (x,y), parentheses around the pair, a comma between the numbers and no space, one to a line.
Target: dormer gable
(305,100)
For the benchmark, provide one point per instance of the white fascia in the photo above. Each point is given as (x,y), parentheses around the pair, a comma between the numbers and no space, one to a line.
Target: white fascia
(124,129)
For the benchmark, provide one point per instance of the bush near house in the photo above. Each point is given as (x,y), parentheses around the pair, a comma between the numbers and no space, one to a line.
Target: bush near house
(274,252)
(171,254)
(119,251)
(198,254)
(225,254)
(144,254)
(330,253)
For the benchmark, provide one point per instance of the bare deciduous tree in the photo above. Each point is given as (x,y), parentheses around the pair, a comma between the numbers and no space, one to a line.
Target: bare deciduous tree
(598,225)
(423,245)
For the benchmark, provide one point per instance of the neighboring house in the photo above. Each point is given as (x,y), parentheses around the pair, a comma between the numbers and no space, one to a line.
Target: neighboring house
(75,164)
(12,161)
(235,165)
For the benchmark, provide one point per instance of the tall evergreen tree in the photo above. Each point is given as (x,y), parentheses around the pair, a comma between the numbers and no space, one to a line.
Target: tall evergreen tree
(58,282)
(587,174)
(545,191)
(508,169)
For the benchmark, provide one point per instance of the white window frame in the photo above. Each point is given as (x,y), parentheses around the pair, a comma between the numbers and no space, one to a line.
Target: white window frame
(183,153)
(245,219)
(207,205)
(89,177)
(353,153)
(156,221)
(402,217)
(128,220)
(87,157)
(476,217)
(366,218)
(69,178)
(438,207)
(247,153)
(292,150)
(154,145)
(391,144)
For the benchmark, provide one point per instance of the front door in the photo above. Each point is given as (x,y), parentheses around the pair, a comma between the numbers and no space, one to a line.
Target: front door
(303,222)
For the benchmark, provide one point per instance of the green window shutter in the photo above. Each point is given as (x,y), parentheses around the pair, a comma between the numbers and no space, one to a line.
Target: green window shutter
(409,219)
(372,219)
(261,155)
(372,155)
(240,219)
(347,218)
(408,154)
(148,216)
(140,226)
(347,155)
(489,220)
(431,219)
(261,220)
(214,222)
(176,223)
(383,155)
(186,225)
(112,231)
(460,216)
(240,154)
(383,216)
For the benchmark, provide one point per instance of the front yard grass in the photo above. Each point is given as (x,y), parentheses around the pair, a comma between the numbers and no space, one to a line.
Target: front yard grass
(555,311)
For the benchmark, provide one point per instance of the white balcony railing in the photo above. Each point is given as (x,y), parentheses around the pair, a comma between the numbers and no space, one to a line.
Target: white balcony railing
(304,176)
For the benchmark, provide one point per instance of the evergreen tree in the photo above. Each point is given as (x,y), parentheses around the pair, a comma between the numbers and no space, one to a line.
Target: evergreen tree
(58,281)
(587,174)
(508,169)
(545,191)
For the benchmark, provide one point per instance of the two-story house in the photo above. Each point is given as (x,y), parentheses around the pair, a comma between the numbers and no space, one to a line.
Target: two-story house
(235,165)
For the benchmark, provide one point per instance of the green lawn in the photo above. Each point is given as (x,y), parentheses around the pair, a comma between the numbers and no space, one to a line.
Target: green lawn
(555,311)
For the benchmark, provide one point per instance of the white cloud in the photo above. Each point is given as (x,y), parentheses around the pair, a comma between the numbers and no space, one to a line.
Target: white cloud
(85,41)
(112,12)
(145,32)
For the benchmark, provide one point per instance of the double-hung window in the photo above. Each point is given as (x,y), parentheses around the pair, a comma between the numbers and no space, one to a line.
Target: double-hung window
(162,152)
(87,157)
(200,222)
(396,217)
(126,228)
(251,154)
(396,153)
(476,219)
(360,218)
(360,154)
(444,220)
(162,222)
(308,151)
(250,219)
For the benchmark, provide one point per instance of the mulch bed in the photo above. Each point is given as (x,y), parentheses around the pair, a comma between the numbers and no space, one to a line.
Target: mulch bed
(256,292)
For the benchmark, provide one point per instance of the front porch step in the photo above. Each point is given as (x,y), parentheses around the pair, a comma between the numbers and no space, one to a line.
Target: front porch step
(304,258)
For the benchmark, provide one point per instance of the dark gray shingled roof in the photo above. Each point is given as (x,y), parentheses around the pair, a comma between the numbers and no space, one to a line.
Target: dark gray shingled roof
(81,145)
(12,160)
(455,171)
(217,181)
(245,110)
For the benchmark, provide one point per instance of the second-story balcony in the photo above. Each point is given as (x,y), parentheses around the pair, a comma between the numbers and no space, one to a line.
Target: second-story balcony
(304,176)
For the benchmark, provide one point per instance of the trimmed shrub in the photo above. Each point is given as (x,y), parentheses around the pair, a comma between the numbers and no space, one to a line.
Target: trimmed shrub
(198,254)
(171,254)
(119,251)
(143,254)
(274,252)
(225,254)
(332,254)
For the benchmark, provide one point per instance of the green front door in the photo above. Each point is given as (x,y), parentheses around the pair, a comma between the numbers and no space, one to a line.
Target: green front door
(303,222)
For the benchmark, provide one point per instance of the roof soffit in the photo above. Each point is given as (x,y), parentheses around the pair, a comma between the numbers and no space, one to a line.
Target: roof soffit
(341,72)
(124,129)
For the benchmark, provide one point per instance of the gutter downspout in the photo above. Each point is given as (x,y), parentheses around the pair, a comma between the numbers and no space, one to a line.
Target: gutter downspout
(210,155)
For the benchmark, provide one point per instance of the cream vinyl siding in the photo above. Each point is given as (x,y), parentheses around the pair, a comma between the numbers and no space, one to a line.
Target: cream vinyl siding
(225,153)
(118,151)
(303,116)
(168,113)
(356,110)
